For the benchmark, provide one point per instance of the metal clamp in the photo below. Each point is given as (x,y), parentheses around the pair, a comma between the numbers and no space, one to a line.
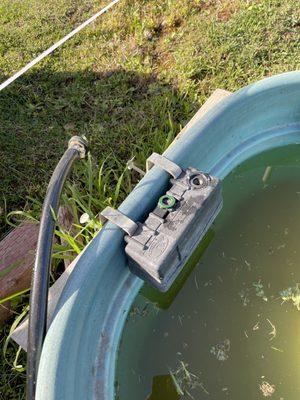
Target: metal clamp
(80,144)
(164,163)
(119,219)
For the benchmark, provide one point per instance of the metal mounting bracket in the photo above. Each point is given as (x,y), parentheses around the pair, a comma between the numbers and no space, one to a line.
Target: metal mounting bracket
(164,163)
(119,219)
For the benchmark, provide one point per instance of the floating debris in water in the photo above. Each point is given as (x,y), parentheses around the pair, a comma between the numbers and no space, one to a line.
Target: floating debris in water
(291,294)
(185,381)
(196,282)
(281,246)
(180,317)
(256,327)
(267,389)
(244,295)
(259,290)
(221,350)
(273,331)
(276,349)
(248,265)
(143,311)
(267,174)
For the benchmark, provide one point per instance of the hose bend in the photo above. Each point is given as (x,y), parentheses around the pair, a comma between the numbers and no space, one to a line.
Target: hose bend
(77,148)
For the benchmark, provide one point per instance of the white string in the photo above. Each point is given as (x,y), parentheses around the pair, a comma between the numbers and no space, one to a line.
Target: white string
(56,45)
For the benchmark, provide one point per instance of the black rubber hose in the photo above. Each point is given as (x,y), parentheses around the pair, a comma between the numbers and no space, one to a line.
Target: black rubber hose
(40,278)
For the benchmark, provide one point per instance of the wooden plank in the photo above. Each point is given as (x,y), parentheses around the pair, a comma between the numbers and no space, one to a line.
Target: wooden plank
(17,254)
(20,334)
(5,312)
(217,96)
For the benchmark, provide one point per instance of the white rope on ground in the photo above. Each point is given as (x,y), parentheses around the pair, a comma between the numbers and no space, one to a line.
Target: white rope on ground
(56,45)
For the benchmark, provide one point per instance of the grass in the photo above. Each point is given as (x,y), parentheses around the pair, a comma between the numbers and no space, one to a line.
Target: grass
(12,358)
(134,77)
(129,83)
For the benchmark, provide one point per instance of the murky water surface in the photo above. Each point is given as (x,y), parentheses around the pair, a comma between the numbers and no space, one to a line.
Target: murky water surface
(230,326)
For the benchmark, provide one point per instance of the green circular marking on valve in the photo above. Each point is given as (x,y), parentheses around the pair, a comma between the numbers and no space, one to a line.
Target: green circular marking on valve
(166,201)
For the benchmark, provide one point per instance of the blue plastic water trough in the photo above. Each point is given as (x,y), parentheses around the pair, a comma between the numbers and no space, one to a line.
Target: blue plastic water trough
(79,354)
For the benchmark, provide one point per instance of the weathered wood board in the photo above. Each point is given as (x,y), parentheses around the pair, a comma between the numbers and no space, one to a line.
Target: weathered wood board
(17,254)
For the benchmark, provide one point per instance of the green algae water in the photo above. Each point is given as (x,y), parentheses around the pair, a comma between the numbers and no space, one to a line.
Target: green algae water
(229,328)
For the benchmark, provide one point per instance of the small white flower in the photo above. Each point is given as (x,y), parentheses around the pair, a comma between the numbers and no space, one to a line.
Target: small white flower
(84,219)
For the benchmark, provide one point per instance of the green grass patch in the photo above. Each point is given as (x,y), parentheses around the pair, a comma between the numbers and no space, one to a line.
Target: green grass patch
(129,81)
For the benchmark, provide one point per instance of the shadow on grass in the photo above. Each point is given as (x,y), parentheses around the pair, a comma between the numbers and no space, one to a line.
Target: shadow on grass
(121,112)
